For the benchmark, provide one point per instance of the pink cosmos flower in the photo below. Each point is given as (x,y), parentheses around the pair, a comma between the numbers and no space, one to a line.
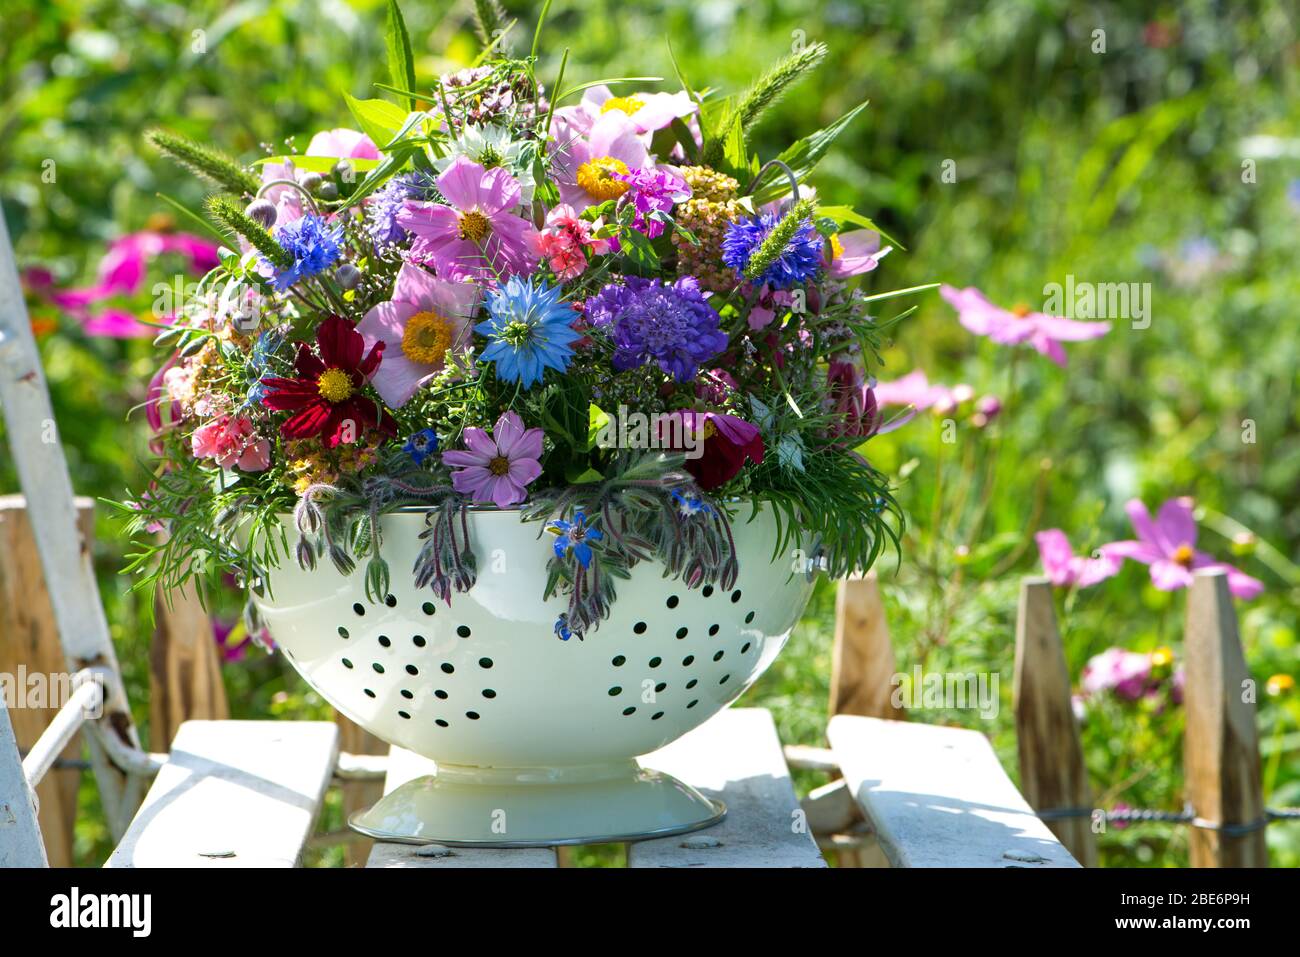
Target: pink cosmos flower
(1013,326)
(1168,546)
(914,389)
(584,166)
(853,253)
(230,441)
(425,318)
(342,143)
(476,237)
(1064,568)
(497,467)
(646,112)
(1126,673)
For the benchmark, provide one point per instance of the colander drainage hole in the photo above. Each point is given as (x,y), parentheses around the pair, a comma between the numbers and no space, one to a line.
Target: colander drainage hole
(418,641)
(618,661)
(661,686)
(472,715)
(744,648)
(440,695)
(681,633)
(377,666)
(629,711)
(688,661)
(404,714)
(391,601)
(408,695)
(440,723)
(725,679)
(343,632)
(656,661)
(615,691)
(463,631)
(346,663)
(639,627)
(369,693)
(672,601)
(708,591)
(447,667)
(359,608)
(385,641)
(489,693)
(735,596)
(713,630)
(749,618)
(428,608)
(656,716)
(692,683)
(412,670)
(485,662)
(692,703)
(718,656)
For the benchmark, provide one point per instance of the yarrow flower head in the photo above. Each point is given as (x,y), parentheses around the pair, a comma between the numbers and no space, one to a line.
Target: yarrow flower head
(530,331)
(574,537)
(421,445)
(774,250)
(655,321)
(651,191)
(314,246)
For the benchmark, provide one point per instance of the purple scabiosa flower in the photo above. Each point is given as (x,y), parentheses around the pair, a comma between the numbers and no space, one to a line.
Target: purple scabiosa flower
(650,191)
(800,262)
(651,320)
(314,246)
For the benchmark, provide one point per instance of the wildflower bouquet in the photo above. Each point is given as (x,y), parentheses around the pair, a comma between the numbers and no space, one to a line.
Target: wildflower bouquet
(599,308)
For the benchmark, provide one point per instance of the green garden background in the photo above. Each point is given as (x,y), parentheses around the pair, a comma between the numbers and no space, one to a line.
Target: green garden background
(1007,145)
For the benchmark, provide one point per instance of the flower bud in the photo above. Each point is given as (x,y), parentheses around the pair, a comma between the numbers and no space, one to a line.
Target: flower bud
(262,212)
(348,276)
(310,182)
(328,191)
(343,170)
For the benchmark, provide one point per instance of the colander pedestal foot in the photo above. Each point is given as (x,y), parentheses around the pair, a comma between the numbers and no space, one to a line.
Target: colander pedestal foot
(537,807)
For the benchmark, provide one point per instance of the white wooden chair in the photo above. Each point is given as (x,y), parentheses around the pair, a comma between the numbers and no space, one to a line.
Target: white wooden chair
(248,793)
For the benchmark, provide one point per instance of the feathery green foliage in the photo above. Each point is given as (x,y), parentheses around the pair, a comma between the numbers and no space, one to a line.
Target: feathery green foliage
(211,164)
(771,248)
(489,21)
(764,92)
(228,213)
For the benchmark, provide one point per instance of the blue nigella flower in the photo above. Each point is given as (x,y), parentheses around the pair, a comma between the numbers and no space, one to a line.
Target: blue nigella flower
(574,535)
(530,331)
(800,262)
(314,246)
(691,505)
(421,445)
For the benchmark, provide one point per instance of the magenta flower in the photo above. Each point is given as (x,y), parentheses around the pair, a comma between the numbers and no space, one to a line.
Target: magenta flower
(1168,546)
(229,441)
(425,318)
(1013,326)
(343,144)
(652,190)
(646,112)
(1126,673)
(1066,569)
(584,166)
(496,468)
(914,389)
(853,253)
(477,237)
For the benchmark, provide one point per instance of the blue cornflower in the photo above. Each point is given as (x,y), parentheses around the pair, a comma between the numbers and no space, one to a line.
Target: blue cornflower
(574,535)
(314,246)
(530,330)
(421,445)
(691,505)
(800,262)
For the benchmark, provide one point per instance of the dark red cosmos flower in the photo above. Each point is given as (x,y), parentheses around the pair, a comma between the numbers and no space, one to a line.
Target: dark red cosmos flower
(326,393)
(727,442)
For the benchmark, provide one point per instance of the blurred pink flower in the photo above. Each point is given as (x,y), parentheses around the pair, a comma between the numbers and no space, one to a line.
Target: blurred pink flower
(1168,546)
(854,252)
(1064,568)
(343,143)
(646,112)
(914,389)
(1013,326)
(232,640)
(1126,673)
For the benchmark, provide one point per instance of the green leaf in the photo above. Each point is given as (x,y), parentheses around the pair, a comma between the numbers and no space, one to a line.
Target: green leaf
(802,157)
(378,119)
(401,62)
(638,251)
(846,214)
(734,160)
(537,33)
(597,419)
(317,164)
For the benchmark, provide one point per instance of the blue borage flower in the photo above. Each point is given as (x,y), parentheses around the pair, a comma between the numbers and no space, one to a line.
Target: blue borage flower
(314,246)
(690,505)
(421,445)
(562,629)
(574,535)
(800,262)
(530,331)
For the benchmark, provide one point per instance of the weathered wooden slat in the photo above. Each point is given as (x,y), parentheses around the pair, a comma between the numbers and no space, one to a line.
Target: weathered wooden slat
(234,793)
(1052,773)
(862,658)
(1221,743)
(20,834)
(404,765)
(937,797)
(736,757)
(184,670)
(29,646)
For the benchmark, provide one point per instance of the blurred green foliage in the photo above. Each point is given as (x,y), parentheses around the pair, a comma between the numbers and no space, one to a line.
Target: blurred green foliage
(1110,141)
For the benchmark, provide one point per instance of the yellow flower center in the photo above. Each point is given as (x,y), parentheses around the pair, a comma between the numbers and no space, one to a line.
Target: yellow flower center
(596,177)
(837,247)
(334,385)
(1184,554)
(1162,657)
(499,465)
(474,226)
(1020,310)
(427,338)
(710,430)
(1279,685)
(626,104)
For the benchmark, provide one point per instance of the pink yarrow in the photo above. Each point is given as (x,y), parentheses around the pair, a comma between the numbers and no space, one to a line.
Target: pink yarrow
(497,467)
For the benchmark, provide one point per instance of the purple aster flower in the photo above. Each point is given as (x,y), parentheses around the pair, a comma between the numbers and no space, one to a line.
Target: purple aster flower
(651,320)
(313,244)
(800,262)
(652,190)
